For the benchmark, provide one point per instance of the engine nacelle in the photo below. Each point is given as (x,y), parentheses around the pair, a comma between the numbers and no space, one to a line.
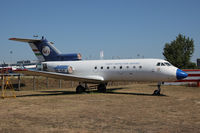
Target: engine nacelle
(69,57)
(64,69)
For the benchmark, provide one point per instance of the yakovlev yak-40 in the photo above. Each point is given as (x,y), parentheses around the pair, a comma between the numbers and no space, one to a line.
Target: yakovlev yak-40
(99,72)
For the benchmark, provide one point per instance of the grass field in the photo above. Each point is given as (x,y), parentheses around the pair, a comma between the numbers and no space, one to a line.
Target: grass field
(122,109)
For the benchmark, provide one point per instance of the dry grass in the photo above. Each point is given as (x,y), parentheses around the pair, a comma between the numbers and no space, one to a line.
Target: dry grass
(122,109)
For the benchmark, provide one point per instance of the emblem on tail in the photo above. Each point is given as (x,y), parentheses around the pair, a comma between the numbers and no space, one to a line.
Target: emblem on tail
(46,50)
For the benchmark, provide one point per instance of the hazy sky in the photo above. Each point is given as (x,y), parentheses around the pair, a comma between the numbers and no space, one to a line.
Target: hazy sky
(121,28)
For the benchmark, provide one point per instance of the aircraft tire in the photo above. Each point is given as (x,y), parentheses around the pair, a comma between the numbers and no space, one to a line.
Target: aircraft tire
(101,88)
(80,89)
(156,92)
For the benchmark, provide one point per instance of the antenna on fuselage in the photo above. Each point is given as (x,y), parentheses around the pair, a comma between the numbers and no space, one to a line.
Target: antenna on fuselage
(35,36)
(101,55)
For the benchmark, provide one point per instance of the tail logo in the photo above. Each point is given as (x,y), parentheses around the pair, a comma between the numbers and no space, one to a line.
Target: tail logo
(45,50)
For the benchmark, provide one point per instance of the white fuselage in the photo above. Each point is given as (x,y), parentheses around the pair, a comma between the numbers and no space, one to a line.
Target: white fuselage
(120,70)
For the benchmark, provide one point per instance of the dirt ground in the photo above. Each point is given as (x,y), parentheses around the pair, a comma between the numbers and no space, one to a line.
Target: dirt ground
(121,110)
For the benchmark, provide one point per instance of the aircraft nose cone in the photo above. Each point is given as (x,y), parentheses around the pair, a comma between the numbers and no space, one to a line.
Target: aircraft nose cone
(181,74)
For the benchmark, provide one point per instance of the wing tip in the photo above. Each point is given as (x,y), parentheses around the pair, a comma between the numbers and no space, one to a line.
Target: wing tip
(12,39)
(24,40)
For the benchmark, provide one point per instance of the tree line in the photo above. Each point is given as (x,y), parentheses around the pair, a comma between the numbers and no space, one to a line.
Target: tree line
(179,52)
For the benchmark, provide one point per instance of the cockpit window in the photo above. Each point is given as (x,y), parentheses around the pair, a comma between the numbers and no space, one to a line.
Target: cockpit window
(168,64)
(158,64)
(162,64)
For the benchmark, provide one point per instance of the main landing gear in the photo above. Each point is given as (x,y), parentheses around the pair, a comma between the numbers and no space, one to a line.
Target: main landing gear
(82,88)
(157,92)
(101,88)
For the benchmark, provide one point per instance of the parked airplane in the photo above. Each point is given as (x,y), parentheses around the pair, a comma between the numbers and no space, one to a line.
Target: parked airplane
(10,69)
(101,72)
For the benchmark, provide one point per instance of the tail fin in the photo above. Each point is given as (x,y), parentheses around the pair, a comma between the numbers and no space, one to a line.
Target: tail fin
(45,51)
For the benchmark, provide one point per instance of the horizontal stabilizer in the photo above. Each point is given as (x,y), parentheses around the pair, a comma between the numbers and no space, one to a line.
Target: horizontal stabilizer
(24,40)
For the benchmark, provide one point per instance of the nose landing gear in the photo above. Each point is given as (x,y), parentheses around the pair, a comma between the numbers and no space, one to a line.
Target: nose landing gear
(157,92)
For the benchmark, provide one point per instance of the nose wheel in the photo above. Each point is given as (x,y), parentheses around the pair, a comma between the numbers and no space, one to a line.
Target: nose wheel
(157,92)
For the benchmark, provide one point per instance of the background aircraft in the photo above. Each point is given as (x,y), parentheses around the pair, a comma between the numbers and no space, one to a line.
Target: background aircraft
(100,72)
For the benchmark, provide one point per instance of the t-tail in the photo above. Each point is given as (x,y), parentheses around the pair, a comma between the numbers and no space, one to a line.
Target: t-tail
(45,51)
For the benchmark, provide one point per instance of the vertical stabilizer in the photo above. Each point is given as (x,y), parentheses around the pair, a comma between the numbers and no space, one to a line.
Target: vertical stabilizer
(45,51)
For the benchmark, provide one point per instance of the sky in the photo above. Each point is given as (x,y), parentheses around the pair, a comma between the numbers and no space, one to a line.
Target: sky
(120,28)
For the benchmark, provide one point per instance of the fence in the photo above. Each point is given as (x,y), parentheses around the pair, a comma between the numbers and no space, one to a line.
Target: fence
(39,82)
(193,78)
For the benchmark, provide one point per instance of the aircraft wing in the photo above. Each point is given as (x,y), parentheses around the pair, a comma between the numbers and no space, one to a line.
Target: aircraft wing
(88,79)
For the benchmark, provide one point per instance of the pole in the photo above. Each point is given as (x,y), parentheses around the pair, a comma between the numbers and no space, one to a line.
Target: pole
(2,85)
(60,83)
(47,82)
(33,82)
(19,82)
(72,84)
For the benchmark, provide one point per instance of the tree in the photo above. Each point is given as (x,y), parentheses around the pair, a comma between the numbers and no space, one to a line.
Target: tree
(179,52)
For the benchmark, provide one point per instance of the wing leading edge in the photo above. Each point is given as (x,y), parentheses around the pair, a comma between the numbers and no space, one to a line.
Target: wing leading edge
(88,79)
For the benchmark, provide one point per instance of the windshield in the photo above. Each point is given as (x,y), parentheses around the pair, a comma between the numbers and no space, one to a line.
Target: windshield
(163,64)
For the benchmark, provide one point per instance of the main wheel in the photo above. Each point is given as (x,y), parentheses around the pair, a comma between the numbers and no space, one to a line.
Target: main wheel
(101,88)
(80,89)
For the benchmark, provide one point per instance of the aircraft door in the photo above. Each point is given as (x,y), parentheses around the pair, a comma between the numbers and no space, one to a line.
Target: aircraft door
(158,68)
(44,66)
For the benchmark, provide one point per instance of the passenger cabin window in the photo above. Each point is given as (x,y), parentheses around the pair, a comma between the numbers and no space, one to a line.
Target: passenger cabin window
(127,67)
(108,67)
(140,67)
(95,67)
(134,67)
(120,67)
(114,67)
(101,67)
